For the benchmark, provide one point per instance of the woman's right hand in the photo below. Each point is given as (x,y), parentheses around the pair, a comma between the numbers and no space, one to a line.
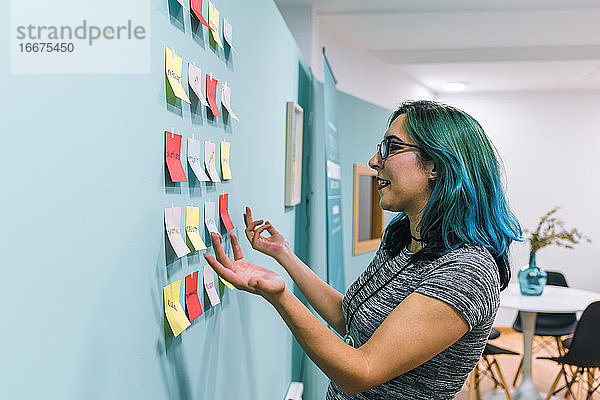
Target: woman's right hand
(275,246)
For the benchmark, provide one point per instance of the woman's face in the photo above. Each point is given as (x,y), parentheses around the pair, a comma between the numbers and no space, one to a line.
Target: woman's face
(402,178)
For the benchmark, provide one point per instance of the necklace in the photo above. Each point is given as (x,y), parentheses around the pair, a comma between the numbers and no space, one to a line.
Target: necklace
(348,338)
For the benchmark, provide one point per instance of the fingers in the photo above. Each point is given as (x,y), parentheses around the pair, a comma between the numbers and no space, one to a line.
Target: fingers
(235,245)
(250,229)
(271,229)
(248,216)
(252,225)
(258,232)
(219,252)
(223,272)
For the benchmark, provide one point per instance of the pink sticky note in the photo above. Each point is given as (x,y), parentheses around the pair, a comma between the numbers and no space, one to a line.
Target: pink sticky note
(172,222)
(224,211)
(173,157)
(211,94)
(192,302)
(209,285)
(197,9)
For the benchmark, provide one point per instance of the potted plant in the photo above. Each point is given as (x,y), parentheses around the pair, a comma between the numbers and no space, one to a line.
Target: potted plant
(550,230)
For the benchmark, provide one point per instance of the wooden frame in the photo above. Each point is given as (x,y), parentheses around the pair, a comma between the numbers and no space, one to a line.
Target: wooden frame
(293,153)
(377,218)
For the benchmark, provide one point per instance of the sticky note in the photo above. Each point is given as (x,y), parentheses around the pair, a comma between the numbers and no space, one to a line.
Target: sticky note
(225,168)
(172,221)
(192,302)
(209,161)
(195,81)
(224,211)
(228,32)
(211,95)
(227,284)
(173,309)
(213,22)
(174,65)
(209,217)
(173,157)
(226,100)
(197,10)
(209,285)
(192,222)
(193,155)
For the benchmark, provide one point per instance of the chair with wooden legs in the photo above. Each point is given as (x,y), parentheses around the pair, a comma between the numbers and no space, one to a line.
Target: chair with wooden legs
(488,367)
(582,360)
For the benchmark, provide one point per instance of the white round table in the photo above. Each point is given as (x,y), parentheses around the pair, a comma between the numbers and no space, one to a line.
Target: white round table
(554,299)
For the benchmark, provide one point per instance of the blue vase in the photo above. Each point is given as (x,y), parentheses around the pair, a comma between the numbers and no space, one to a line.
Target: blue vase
(532,279)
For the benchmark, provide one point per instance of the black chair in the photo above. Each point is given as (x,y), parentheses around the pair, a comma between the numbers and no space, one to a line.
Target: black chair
(583,354)
(485,368)
(549,327)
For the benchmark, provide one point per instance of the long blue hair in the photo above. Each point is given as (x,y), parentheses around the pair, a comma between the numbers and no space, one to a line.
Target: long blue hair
(467,204)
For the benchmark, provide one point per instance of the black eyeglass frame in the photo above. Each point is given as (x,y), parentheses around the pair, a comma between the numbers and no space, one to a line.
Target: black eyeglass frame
(384,146)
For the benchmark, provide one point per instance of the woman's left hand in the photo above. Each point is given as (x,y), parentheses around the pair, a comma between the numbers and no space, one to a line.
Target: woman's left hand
(243,274)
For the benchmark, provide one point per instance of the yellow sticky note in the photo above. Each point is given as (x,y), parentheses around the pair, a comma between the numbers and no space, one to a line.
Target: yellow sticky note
(225,169)
(192,222)
(213,22)
(173,67)
(173,309)
(229,285)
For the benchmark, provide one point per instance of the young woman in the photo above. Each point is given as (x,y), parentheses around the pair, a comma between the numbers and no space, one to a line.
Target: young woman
(416,321)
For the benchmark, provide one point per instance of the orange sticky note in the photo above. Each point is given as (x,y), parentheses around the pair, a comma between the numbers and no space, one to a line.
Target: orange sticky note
(224,211)
(211,94)
(197,10)
(192,302)
(173,157)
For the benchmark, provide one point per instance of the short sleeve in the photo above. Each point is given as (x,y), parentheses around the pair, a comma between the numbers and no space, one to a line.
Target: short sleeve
(467,280)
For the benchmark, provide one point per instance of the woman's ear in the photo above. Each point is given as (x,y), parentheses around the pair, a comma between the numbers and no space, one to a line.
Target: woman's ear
(433,173)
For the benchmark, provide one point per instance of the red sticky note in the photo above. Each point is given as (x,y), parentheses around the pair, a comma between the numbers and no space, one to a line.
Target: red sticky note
(224,211)
(211,94)
(192,302)
(173,157)
(197,9)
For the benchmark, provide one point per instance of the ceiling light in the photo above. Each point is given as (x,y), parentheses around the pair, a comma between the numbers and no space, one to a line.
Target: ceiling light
(454,86)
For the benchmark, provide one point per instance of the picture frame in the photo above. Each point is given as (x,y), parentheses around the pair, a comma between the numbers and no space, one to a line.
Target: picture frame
(368,218)
(293,153)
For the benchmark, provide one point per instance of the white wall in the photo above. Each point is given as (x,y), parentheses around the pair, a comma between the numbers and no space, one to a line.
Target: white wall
(358,73)
(362,75)
(550,145)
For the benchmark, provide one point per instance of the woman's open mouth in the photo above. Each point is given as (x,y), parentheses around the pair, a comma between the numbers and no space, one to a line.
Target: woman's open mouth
(381,183)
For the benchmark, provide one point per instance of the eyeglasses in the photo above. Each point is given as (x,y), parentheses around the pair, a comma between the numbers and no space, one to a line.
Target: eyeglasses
(389,145)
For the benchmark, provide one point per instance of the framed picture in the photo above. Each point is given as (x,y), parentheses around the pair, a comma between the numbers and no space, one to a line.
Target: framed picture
(293,153)
(368,217)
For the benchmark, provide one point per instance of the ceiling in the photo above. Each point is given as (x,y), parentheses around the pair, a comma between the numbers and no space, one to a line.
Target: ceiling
(491,46)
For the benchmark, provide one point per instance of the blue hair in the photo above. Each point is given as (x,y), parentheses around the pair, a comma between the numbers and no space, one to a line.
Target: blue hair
(467,204)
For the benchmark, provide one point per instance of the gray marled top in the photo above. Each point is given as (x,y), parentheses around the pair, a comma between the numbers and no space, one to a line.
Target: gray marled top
(466,278)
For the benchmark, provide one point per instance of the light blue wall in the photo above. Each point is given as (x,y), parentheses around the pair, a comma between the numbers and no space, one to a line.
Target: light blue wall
(361,126)
(84,253)
(84,250)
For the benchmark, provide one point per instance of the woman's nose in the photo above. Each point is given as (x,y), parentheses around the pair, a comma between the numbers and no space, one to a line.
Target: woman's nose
(375,161)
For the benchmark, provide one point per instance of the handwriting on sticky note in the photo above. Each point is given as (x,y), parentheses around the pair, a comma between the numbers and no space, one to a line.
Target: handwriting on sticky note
(173,68)
(172,156)
(194,309)
(209,285)
(173,310)
(172,221)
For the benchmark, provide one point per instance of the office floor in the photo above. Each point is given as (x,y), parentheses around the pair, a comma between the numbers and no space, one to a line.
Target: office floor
(544,371)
